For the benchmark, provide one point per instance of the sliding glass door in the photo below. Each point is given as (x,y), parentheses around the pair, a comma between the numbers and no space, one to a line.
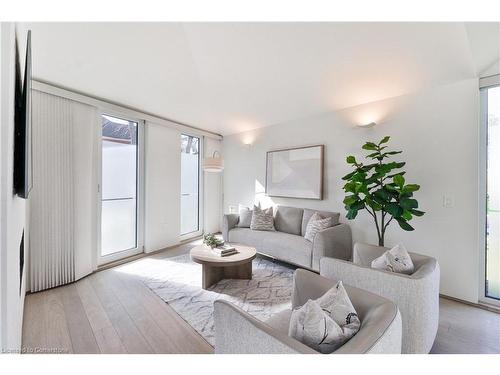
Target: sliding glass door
(190,186)
(491,116)
(120,230)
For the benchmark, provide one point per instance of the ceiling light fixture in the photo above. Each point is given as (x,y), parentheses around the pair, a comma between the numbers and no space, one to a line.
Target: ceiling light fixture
(213,164)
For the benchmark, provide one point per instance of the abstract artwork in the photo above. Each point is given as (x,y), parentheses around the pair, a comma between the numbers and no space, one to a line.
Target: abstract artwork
(295,172)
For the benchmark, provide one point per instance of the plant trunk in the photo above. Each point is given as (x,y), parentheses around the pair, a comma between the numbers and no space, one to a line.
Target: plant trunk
(381,239)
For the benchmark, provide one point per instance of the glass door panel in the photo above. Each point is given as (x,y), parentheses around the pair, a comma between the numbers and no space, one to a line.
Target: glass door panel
(119,185)
(190,184)
(492,289)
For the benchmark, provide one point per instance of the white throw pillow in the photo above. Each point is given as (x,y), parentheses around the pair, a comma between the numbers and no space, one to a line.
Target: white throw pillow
(262,219)
(316,223)
(396,259)
(327,323)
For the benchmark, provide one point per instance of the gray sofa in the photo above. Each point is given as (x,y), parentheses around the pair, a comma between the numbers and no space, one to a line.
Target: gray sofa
(417,295)
(237,332)
(287,243)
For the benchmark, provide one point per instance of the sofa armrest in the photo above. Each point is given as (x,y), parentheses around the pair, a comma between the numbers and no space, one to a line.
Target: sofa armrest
(334,242)
(237,332)
(229,221)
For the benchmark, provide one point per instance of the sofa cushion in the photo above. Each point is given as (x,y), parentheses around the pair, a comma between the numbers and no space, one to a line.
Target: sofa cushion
(245,216)
(287,247)
(308,213)
(315,225)
(262,219)
(288,219)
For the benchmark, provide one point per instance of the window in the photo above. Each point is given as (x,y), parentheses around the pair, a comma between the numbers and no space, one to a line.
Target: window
(119,187)
(490,98)
(190,185)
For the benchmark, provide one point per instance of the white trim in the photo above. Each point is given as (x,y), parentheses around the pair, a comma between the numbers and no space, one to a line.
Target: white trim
(489,81)
(101,260)
(124,110)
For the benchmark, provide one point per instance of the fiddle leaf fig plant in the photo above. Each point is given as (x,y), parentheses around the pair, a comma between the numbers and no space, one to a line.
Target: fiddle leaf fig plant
(380,188)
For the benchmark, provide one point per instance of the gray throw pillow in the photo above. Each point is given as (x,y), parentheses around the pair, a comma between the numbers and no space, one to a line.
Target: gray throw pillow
(262,219)
(245,217)
(327,323)
(396,260)
(316,224)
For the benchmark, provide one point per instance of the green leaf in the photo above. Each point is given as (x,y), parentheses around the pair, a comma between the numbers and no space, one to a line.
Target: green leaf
(351,160)
(393,152)
(384,140)
(417,212)
(382,194)
(404,225)
(407,215)
(350,200)
(408,203)
(400,173)
(349,175)
(373,155)
(394,209)
(410,188)
(399,180)
(351,214)
(369,146)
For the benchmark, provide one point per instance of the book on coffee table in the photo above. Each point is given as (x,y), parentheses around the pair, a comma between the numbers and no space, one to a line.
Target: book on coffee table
(224,250)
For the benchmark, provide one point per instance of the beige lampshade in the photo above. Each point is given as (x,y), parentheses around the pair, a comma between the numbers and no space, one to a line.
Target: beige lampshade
(213,164)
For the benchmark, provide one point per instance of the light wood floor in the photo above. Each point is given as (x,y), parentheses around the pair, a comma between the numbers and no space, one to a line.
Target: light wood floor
(114,312)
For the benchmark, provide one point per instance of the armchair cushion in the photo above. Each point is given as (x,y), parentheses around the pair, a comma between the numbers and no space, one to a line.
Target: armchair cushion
(327,323)
(395,260)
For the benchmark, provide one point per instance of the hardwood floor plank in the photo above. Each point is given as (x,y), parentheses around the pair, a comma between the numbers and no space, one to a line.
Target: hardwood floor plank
(105,334)
(185,337)
(34,323)
(81,334)
(131,338)
(154,335)
(57,334)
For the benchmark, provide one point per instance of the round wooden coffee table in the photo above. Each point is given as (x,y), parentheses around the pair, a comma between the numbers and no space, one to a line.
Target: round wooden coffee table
(216,268)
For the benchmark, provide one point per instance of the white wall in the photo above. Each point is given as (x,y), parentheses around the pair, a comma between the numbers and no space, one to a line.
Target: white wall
(163,187)
(438,132)
(12,208)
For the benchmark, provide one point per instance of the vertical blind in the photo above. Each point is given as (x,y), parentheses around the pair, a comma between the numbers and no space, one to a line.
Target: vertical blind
(62,185)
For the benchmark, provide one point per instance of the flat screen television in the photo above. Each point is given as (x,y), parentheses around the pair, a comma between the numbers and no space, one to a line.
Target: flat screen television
(23,176)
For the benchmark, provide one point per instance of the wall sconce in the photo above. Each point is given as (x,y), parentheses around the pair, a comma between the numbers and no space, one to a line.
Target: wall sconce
(370,125)
(213,164)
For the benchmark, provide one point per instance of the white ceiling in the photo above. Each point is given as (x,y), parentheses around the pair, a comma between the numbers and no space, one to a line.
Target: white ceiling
(232,77)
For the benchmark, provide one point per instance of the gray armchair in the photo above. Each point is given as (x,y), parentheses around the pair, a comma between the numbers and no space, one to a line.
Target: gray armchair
(416,295)
(237,332)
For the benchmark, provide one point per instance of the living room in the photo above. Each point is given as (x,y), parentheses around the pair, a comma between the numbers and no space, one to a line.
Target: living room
(250,186)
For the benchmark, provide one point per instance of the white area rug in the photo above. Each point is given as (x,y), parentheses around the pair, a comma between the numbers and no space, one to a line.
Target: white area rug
(177,281)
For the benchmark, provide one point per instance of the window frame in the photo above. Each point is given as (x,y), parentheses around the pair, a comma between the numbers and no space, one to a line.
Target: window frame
(139,248)
(201,148)
(485,84)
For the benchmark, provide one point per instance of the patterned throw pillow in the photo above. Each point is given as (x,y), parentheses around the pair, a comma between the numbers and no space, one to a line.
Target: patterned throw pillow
(262,219)
(327,323)
(395,260)
(316,223)
(245,217)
